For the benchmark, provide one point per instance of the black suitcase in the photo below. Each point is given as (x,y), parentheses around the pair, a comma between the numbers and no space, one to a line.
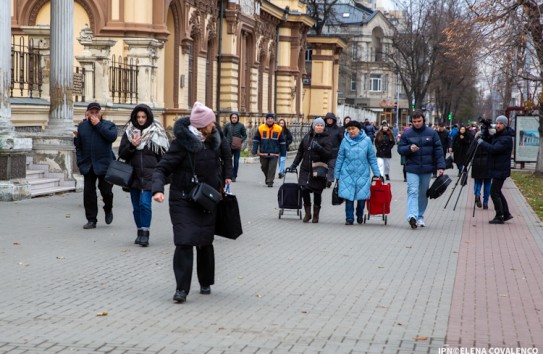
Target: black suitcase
(289,195)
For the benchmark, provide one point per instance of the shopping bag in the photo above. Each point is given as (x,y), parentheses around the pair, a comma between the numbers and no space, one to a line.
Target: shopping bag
(336,200)
(119,173)
(228,220)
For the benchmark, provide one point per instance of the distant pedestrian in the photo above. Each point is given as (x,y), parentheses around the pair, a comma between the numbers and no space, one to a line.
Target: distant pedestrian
(313,155)
(335,134)
(482,180)
(446,141)
(460,147)
(142,146)
(422,148)
(235,134)
(499,165)
(270,144)
(197,149)
(355,159)
(369,129)
(93,145)
(384,142)
(288,140)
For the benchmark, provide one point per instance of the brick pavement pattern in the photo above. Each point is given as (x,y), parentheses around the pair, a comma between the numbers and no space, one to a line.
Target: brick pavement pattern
(282,287)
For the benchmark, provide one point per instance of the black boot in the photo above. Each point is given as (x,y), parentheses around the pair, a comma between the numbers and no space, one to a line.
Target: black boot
(307,215)
(138,239)
(387,177)
(316,211)
(144,242)
(497,220)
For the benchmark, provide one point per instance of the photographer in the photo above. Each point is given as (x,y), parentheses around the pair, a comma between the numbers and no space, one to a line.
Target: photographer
(499,166)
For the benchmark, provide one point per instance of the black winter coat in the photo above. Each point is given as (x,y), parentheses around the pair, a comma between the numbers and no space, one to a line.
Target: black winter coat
(143,161)
(384,142)
(307,154)
(461,147)
(191,225)
(93,146)
(499,153)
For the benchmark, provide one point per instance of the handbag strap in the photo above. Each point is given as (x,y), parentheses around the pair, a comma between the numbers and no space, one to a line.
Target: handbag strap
(191,161)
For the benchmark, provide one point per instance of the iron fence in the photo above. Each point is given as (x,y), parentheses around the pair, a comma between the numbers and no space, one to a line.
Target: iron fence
(123,80)
(26,76)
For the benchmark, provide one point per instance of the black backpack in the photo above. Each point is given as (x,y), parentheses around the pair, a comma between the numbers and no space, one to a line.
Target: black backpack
(438,187)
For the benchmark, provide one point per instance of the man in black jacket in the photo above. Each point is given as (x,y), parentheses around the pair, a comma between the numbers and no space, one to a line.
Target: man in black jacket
(499,166)
(94,154)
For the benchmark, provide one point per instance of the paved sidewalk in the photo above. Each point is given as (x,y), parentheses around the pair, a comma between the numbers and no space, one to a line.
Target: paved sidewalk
(282,287)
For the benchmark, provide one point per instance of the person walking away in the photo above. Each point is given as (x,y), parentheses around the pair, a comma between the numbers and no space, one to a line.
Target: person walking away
(93,146)
(270,143)
(288,140)
(235,134)
(422,148)
(499,166)
(313,155)
(446,141)
(335,134)
(369,129)
(142,145)
(384,142)
(479,166)
(197,149)
(355,159)
(460,147)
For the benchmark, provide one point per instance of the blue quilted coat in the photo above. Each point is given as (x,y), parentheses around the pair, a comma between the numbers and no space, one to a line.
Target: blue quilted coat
(355,157)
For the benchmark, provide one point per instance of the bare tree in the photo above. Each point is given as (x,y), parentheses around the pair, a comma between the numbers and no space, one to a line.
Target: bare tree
(322,11)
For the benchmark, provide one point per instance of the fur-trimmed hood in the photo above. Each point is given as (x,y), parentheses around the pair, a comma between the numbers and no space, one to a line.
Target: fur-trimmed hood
(190,141)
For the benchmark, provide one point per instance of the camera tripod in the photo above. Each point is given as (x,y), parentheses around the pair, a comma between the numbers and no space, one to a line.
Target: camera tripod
(463,178)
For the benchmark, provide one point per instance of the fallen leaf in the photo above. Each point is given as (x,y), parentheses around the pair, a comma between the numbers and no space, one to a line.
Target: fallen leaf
(421,338)
(16,243)
(68,216)
(103,313)
(258,295)
(60,257)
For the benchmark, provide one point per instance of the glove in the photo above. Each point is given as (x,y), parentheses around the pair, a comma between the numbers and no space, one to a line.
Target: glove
(292,167)
(479,141)
(315,145)
(328,184)
(382,179)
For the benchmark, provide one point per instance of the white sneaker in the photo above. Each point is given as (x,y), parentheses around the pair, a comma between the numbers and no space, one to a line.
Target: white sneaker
(420,223)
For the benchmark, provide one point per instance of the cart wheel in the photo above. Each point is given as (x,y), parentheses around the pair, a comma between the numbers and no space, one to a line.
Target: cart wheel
(297,211)
(280,213)
(365,218)
(385,218)
(300,214)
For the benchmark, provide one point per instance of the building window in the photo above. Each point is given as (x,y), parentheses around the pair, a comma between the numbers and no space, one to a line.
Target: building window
(375,82)
(308,54)
(353,82)
(355,51)
(190,80)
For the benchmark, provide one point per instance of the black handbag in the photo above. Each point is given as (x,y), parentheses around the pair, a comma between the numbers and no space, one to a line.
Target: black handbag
(119,173)
(449,162)
(336,200)
(228,220)
(202,193)
(438,187)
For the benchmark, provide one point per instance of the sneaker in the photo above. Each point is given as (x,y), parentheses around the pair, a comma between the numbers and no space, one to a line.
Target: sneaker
(413,222)
(180,296)
(349,222)
(109,217)
(507,217)
(270,185)
(359,220)
(233,179)
(478,202)
(485,206)
(420,223)
(387,177)
(205,290)
(90,225)
(496,220)
(281,175)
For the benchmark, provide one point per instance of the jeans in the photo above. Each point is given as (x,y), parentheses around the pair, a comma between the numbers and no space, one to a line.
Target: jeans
(90,199)
(349,209)
(141,208)
(478,183)
(282,162)
(417,185)
(235,157)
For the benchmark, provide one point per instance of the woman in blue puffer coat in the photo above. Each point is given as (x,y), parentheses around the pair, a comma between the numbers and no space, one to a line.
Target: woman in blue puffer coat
(355,158)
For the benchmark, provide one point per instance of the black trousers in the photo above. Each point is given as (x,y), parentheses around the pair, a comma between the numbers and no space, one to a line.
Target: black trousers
(205,266)
(306,196)
(500,204)
(90,199)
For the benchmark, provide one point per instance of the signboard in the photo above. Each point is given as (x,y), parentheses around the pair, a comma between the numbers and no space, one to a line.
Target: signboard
(78,84)
(526,138)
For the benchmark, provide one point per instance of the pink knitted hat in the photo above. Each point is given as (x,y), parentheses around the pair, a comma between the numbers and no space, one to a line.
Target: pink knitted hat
(201,115)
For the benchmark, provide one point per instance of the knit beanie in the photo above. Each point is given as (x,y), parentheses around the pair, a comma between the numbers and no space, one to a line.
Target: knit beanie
(270,115)
(502,119)
(317,121)
(201,116)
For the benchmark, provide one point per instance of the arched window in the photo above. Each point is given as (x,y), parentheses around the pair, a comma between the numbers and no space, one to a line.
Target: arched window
(377,43)
(246,62)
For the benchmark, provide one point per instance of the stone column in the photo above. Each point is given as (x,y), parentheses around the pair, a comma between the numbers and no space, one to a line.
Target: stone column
(13,184)
(61,81)
(95,59)
(145,51)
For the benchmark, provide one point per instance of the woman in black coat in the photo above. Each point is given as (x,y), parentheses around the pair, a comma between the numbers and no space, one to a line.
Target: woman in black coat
(314,152)
(462,141)
(384,142)
(142,146)
(198,149)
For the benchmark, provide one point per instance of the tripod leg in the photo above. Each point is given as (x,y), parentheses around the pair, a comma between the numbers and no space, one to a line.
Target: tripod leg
(457,198)
(452,192)
(473,215)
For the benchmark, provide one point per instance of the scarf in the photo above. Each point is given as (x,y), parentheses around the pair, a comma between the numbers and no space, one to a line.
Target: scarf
(154,136)
(198,133)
